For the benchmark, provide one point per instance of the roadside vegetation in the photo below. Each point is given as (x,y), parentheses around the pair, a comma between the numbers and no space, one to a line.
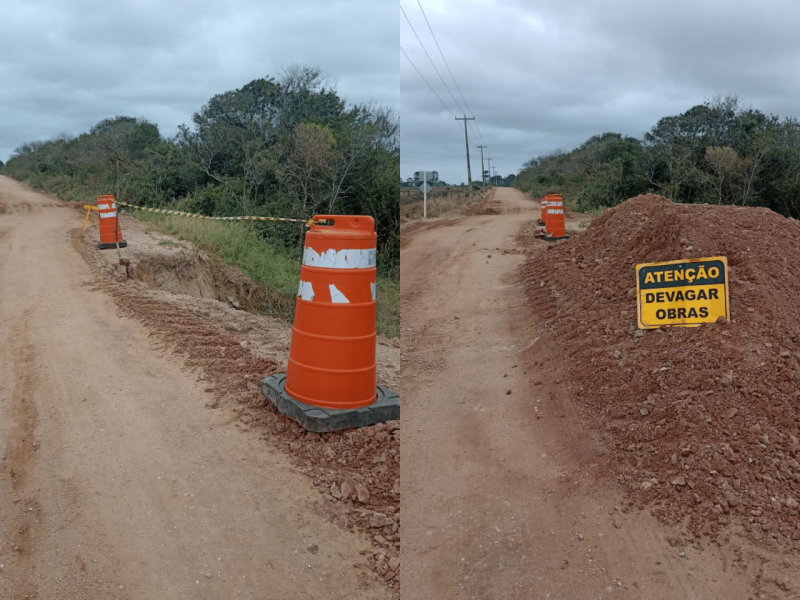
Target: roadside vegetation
(288,148)
(242,245)
(719,152)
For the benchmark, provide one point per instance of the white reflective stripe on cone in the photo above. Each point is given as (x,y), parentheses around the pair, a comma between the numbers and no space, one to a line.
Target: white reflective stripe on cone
(374,289)
(358,258)
(103,206)
(306,291)
(109,214)
(337,297)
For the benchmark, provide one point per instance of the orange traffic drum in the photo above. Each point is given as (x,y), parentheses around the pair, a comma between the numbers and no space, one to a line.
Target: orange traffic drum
(332,355)
(555,217)
(545,202)
(110,232)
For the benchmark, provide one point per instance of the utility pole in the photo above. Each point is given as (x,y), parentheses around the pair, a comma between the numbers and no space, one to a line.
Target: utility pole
(466,137)
(483,175)
(489,160)
(424,194)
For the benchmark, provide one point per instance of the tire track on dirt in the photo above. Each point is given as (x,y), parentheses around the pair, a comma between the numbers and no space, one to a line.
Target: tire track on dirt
(24,414)
(24,510)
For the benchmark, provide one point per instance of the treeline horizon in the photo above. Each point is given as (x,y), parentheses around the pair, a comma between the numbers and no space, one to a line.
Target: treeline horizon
(718,152)
(282,148)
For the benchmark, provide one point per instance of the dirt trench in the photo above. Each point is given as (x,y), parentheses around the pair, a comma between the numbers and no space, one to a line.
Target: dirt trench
(177,267)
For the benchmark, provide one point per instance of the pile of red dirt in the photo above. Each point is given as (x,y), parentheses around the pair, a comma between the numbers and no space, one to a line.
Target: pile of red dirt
(701,424)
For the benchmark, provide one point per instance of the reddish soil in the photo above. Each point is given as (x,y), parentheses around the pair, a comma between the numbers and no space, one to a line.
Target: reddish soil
(701,424)
(137,456)
(355,471)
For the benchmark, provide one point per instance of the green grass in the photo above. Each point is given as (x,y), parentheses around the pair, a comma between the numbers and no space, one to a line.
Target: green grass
(389,305)
(170,244)
(438,206)
(238,245)
(595,211)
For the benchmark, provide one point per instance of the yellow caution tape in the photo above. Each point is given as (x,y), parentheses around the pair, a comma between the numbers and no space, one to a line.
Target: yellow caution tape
(307,223)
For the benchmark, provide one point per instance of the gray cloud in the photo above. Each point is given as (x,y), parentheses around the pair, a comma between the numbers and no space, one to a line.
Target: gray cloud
(548,75)
(67,65)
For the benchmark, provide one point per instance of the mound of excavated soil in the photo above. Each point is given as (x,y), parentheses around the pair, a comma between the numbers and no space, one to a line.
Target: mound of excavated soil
(489,206)
(701,423)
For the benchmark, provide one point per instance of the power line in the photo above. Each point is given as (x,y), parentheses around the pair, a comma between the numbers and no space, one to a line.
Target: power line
(447,65)
(431,60)
(426,81)
(444,83)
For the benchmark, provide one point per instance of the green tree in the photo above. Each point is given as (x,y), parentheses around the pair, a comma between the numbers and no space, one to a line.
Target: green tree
(274,147)
(308,163)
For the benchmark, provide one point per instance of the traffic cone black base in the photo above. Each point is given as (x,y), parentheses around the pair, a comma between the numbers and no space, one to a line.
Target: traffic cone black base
(552,238)
(320,420)
(122,244)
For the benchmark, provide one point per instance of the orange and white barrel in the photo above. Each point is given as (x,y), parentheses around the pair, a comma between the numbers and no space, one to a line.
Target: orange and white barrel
(544,203)
(332,354)
(110,232)
(554,223)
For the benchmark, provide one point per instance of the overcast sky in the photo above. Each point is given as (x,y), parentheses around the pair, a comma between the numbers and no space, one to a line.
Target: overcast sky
(67,64)
(548,74)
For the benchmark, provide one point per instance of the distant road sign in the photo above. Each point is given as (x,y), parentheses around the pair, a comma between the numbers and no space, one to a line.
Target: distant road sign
(425,187)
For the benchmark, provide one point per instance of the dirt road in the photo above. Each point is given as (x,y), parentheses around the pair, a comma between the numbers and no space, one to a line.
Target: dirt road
(116,481)
(502,494)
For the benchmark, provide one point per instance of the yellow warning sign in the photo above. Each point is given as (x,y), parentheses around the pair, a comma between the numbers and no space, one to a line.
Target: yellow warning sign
(682,293)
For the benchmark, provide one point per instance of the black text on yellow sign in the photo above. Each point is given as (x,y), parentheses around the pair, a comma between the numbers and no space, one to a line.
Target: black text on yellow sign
(682,293)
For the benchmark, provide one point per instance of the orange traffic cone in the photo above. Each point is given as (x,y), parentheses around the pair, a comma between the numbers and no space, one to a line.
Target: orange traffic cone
(110,232)
(332,356)
(330,382)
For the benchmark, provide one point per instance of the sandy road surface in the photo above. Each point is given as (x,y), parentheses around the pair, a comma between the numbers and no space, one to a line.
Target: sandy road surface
(501,494)
(115,480)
